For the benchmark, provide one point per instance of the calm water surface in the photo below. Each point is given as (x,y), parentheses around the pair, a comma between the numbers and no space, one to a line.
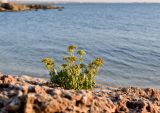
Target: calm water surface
(126,35)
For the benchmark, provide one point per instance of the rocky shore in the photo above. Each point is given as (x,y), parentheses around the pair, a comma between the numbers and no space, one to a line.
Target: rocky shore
(24,94)
(21,7)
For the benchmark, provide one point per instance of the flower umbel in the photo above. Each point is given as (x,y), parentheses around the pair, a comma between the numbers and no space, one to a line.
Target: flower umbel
(72,48)
(81,52)
(49,62)
(98,62)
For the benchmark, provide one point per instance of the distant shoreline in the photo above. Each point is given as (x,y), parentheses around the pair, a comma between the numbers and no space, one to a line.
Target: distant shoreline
(15,7)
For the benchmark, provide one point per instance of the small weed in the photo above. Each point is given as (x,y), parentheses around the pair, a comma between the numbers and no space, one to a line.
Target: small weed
(74,73)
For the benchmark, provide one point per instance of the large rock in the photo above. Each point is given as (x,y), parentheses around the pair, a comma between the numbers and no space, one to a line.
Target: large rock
(6,6)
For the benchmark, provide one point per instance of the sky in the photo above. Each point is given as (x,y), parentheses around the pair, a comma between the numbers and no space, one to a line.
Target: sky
(107,1)
(111,0)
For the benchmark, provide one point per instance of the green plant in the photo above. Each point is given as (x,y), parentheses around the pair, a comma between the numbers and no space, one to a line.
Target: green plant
(74,74)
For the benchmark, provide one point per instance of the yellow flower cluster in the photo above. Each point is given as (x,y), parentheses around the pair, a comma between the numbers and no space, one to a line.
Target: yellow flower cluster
(49,62)
(81,52)
(98,62)
(72,48)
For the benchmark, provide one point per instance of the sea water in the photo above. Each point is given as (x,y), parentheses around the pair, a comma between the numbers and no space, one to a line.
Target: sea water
(127,36)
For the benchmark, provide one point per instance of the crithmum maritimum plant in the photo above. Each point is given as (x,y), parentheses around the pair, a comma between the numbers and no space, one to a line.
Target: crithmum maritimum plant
(74,73)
